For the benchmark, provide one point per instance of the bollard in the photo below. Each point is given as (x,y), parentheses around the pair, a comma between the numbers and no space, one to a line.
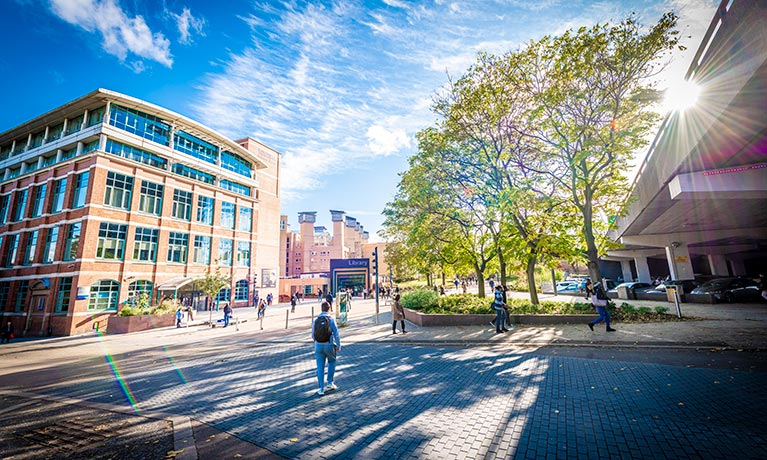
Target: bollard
(237,323)
(287,312)
(312,314)
(261,322)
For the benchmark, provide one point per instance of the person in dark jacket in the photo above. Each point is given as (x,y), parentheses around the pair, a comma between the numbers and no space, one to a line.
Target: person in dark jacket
(599,300)
(7,333)
(397,313)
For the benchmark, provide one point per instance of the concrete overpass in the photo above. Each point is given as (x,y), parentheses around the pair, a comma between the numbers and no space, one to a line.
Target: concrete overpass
(699,201)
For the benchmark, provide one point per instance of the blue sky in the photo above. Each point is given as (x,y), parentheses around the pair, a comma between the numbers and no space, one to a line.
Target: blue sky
(340,88)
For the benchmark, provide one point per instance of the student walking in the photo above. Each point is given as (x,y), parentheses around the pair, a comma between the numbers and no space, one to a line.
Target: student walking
(599,301)
(293,303)
(178,317)
(7,333)
(327,344)
(397,313)
(500,310)
(227,314)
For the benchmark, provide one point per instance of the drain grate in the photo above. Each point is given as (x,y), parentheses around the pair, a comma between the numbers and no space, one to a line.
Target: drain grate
(67,435)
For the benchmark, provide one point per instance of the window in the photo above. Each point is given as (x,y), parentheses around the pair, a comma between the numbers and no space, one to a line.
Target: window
(140,124)
(245,223)
(37,139)
(235,187)
(90,146)
(39,200)
(150,200)
(103,295)
(74,124)
(64,293)
(29,252)
(59,190)
(202,250)
(95,116)
(118,191)
(13,247)
(194,146)
(5,201)
(146,244)
(243,254)
(205,210)
(135,154)
(224,295)
(178,244)
(21,295)
(186,171)
(139,287)
(49,252)
(235,163)
(73,241)
(111,243)
(241,290)
(5,286)
(81,190)
(225,252)
(70,153)
(55,132)
(182,205)
(227,214)
(20,204)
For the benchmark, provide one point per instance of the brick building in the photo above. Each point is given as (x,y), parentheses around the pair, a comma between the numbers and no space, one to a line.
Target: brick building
(108,197)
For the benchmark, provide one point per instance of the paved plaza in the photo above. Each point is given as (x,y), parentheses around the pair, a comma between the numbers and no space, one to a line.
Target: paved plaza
(431,394)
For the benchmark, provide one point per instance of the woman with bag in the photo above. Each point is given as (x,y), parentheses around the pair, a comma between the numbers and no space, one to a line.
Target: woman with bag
(599,301)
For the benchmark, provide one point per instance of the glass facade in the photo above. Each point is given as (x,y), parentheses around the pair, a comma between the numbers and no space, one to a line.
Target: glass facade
(236,164)
(202,250)
(31,249)
(225,252)
(136,154)
(138,287)
(81,190)
(227,214)
(194,146)
(178,245)
(49,252)
(241,291)
(243,254)
(12,250)
(186,171)
(145,246)
(73,241)
(150,200)
(119,189)
(59,191)
(235,187)
(63,294)
(5,201)
(245,223)
(103,295)
(140,124)
(74,125)
(20,204)
(182,205)
(95,116)
(39,200)
(111,242)
(22,289)
(205,207)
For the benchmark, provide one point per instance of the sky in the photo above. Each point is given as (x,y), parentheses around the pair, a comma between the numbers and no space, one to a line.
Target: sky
(339,88)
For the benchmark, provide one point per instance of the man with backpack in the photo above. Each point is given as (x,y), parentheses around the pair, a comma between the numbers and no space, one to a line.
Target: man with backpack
(327,344)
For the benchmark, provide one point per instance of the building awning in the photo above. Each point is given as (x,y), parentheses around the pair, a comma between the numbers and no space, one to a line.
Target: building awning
(174,284)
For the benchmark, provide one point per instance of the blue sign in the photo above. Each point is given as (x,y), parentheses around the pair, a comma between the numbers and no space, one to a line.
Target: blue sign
(349,263)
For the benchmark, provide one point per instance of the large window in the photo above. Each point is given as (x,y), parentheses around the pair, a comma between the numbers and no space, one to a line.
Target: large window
(135,154)
(55,132)
(224,295)
(39,201)
(95,116)
(235,187)
(227,214)
(64,293)
(139,287)
(103,295)
(186,171)
(73,241)
(205,209)
(243,254)
(235,163)
(31,249)
(12,251)
(245,223)
(5,201)
(225,252)
(241,291)
(150,200)
(118,191)
(139,123)
(194,146)
(22,290)
(178,245)
(202,250)
(182,205)
(111,243)
(81,190)
(20,205)
(59,191)
(74,125)
(49,252)
(145,247)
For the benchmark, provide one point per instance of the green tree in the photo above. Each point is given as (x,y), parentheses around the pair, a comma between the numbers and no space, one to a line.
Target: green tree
(211,285)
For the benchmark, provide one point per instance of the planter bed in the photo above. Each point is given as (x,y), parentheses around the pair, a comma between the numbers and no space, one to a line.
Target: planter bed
(126,324)
(434,320)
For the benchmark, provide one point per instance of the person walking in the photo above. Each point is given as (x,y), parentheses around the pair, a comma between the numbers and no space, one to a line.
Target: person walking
(261,308)
(7,333)
(293,301)
(190,313)
(397,313)
(227,314)
(178,317)
(500,311)
(329,299)
(327,345)
(599,301)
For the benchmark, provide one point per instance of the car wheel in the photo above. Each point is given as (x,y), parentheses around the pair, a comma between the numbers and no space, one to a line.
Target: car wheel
(728,297)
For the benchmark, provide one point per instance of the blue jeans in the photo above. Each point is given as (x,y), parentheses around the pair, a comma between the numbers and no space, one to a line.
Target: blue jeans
(500,318)
(226,319)
(322,352)
(603,316)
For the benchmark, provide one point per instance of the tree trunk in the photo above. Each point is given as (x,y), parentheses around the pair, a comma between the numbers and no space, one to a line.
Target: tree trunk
(554,281)
(428,279)
(502,263)
(530,270)
(480,279)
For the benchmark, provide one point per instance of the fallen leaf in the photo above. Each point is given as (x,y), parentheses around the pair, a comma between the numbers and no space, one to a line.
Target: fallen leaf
(293,439)
(237,455)
(681,404)
(716,382)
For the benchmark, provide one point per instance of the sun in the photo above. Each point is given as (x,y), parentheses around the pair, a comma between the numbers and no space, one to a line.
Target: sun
(681,96)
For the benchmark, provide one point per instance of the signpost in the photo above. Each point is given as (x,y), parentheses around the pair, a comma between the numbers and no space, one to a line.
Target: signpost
(375,270)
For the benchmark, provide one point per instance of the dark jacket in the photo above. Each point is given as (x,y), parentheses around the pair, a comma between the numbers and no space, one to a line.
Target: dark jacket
(7,330)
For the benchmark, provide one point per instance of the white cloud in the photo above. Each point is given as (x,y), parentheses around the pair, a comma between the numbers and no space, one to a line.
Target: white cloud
(188,25)
(385,140)
(120,33)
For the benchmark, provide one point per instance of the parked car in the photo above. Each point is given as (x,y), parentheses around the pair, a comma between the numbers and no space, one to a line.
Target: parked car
(632,286)
(730,289)
(567,286)
(687,286)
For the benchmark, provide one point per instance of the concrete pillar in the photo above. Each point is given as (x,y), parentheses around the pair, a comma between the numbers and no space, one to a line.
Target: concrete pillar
(718,265)
(738,268)
(626,270)
(643,270)
(679,263)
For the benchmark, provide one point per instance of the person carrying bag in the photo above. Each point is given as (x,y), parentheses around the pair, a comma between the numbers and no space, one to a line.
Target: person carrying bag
(599,300)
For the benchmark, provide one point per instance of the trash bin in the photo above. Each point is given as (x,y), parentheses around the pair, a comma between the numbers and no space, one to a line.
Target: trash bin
(670,292)
(623,292)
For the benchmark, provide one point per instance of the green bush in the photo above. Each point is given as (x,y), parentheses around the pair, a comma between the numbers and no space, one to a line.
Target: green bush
(129,311)
(421,299)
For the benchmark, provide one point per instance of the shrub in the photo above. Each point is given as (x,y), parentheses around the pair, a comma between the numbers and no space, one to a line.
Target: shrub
(421,299)
(661,310)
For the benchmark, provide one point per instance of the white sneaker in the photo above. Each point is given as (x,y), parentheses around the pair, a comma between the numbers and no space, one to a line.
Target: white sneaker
(331,386)
(320,392)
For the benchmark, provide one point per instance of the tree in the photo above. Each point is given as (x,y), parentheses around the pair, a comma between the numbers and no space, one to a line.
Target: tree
(211,285)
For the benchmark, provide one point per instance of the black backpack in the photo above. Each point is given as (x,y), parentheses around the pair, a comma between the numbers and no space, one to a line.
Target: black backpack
(322,329)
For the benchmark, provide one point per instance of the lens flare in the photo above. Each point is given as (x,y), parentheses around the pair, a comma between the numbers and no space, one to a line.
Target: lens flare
(681,96)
